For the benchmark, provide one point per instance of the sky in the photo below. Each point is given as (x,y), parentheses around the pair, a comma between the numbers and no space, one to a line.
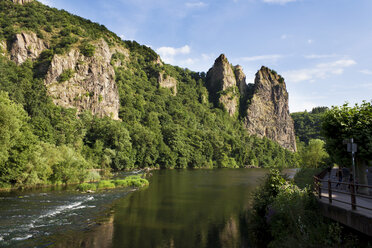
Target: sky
(322,48)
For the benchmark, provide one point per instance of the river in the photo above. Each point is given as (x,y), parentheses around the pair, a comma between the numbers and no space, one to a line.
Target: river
(180,208)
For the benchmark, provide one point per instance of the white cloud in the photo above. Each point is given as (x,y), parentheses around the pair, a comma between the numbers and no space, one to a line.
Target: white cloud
(195,4)
(320,56)
(310,41)
(320,71)
(168,54)
(366,71)
(269,57)
(283,37)
(279,1)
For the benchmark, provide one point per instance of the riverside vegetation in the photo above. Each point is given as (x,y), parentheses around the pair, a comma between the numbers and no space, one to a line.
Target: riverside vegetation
(286,215)
(285,212)
(42,143)
(129,181)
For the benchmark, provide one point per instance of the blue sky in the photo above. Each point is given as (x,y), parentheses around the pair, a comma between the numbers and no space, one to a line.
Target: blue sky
(323,48)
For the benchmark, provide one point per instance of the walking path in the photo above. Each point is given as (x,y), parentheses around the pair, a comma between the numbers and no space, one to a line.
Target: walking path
(343,195)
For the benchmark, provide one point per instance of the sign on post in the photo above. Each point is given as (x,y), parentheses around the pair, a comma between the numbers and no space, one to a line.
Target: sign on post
(352,147)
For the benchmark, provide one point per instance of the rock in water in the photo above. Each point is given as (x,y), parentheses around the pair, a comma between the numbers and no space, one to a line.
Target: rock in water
(267,114)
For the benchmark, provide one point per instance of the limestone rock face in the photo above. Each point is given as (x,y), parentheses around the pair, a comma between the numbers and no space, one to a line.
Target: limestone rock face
(3,48)
(240,79)
(22,1)
(168,82)
(26,45)
(92,84)
(222,85)
(268,112)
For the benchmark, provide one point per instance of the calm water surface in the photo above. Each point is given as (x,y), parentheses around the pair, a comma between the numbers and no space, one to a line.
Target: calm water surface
(180,208)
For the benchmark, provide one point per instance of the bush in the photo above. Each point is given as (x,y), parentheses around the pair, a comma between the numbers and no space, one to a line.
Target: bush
(93,176)
(87,49)
(286,216)
(66,75)
(105,184)
(84,187)
(305,177)
(121,183)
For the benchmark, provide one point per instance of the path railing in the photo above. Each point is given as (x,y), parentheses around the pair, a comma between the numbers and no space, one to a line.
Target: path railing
(352,189)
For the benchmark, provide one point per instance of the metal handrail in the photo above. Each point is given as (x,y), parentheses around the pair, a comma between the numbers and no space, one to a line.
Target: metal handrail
(351,185)
(333,181)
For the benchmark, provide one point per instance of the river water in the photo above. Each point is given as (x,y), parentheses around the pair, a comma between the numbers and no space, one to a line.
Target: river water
(180,208)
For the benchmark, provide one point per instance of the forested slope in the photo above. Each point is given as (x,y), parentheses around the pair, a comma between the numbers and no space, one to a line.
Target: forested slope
(168,127)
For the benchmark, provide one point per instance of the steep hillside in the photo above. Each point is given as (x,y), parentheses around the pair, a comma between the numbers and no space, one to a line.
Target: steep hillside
(84,99)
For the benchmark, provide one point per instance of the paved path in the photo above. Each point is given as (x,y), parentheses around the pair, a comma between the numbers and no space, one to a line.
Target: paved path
(341,196)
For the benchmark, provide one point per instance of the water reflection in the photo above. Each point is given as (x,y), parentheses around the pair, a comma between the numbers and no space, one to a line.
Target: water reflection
(181,208)
(99,236)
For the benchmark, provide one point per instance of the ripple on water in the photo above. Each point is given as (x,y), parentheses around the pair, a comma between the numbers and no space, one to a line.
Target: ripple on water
(22,238)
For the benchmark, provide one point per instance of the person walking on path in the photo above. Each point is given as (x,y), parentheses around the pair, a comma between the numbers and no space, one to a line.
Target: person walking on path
(339,175)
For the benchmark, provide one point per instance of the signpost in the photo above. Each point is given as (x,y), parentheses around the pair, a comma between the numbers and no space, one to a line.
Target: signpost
(352,147)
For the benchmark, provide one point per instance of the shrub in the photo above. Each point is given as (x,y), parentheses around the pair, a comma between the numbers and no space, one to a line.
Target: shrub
(87,49)
(105,184)
(93,176)
(84,187)
(121,183)
(66,75)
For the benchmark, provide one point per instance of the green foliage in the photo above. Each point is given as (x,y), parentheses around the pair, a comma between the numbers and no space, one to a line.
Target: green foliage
(130,181)
(286,216)
(312,155)
(66,75)
(156,129)
(308,124)
(84,187)
(346,122)
(71,168)
(105,184)
(87,49)
(305,177)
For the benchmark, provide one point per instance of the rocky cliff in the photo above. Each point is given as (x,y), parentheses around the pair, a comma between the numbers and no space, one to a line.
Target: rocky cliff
(22,1)
(267,114)
(223,86)
(263,106)
(167,81)
(85,83)
(26,46)
(74,80)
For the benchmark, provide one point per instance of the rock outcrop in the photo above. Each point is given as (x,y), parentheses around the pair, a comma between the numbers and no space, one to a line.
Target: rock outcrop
(263,106)
(222,85)
(3,48)
(240,79)
(91,82)
(22,1)
(268,112)
(26,46)
(167,81)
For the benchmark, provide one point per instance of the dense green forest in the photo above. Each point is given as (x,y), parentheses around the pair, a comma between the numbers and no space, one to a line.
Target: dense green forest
(308,124)
(45,144)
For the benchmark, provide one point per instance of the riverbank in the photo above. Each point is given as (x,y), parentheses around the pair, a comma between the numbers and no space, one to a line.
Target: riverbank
(108,176)
(286,215)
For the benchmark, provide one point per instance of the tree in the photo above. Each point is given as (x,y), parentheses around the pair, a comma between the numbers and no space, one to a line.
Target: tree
(314,154)
(349,122)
